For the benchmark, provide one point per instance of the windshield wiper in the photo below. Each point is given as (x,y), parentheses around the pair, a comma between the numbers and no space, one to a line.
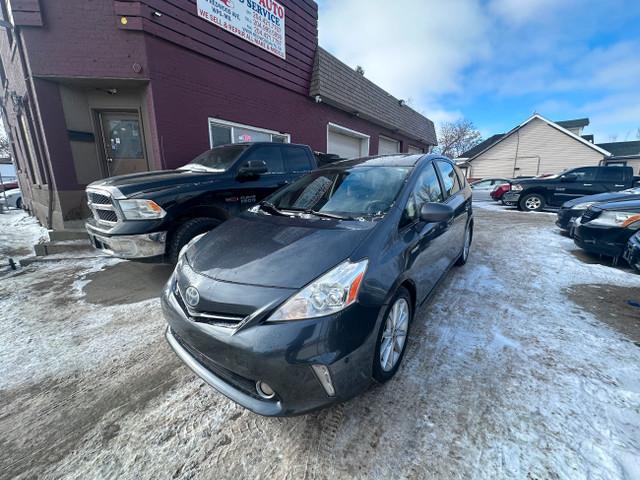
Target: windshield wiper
(327,215)
(271,208)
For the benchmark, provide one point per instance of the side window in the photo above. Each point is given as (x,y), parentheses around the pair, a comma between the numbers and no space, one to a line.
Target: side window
(426,189)
(484,183)
(586,174)
(462,179)
(611,174)
(449,177)
(271,155)
(297,159)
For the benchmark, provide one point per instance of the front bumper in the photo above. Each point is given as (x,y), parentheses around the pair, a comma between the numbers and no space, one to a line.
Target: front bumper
(604,240)
(567,216)
(281,354)
(511,197)
(632,253)
(146,245)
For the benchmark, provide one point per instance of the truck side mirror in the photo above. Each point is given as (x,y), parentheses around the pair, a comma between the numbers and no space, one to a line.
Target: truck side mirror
(436,212)
(252,168)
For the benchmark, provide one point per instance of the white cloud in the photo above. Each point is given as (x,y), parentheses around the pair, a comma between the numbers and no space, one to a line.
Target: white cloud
(413,49)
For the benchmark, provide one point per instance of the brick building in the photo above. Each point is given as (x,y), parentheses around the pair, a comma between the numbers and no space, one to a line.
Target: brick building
(93,88)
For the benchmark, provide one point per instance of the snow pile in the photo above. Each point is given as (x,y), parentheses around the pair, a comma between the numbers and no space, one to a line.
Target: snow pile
(19,232)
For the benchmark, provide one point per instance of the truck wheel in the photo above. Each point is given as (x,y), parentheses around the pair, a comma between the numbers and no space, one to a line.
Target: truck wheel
(186,232)
(534,202)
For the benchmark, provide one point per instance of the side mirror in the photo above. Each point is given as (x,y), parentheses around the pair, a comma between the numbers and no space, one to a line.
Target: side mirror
(436,212)
(252,168)
(571,177)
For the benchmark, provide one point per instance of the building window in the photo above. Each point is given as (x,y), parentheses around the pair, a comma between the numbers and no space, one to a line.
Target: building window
(222,132)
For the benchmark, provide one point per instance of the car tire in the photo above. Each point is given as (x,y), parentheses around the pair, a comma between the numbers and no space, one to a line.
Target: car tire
(392,337)
(534,202)
(464,255)
(19,203)
(186,232)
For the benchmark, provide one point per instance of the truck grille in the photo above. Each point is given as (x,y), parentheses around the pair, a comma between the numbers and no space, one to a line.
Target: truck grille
(589,215)
(104,209)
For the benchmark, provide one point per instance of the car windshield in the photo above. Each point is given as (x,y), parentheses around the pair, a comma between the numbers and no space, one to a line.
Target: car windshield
(218,159)
(348,193)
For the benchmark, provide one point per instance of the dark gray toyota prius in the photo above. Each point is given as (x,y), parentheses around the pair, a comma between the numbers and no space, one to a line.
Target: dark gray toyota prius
(299,302)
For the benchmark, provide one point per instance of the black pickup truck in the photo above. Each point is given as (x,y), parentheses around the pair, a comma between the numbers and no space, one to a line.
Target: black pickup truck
(153,215)
(536,193)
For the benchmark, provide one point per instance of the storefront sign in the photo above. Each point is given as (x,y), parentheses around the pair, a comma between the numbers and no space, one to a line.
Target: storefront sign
(259,22)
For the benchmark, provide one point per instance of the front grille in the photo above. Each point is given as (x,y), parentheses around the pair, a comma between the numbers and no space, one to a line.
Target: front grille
(212,318)
(98,198)
(238,381)
(104,209)
(589,215)
(107,215)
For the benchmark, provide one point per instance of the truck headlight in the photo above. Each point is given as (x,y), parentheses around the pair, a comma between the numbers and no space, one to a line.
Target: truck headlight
(329,293)
(617,219)
(141,209)
(516,187)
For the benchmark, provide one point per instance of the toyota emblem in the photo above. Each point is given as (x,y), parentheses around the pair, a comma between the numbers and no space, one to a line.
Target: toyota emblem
(191,296)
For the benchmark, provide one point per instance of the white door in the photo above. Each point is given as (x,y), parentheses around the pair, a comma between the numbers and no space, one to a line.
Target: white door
(414,150)
(346,146)
(388,146)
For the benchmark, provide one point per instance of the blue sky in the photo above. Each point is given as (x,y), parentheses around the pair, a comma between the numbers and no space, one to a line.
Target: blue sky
(496,61)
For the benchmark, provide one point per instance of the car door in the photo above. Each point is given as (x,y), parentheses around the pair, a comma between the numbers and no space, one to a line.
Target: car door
(611,179)
(425,243)
(453,197)
(569,188)
(482,189)
(248,191)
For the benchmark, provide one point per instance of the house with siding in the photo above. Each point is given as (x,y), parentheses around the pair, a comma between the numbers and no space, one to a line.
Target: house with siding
(535,147)
(626,154)
(110,87)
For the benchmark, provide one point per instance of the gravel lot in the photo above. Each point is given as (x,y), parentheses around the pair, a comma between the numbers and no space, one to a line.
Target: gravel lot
(524,364)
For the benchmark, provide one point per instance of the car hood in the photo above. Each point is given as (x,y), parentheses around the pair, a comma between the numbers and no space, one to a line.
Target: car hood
(632,206)
(136,183)
(624,195)
(272,251)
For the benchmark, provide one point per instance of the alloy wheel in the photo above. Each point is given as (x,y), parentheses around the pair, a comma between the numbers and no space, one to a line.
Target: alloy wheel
(394,335)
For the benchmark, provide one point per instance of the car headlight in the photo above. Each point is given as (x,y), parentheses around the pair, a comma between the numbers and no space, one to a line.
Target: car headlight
(516,187)
(141,209)
(617,219)
(583,205)
(329,293)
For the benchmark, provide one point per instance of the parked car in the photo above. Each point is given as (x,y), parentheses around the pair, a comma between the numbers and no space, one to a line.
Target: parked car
(632,252)
(536,193)
(12,198)
(8,186)
(297,303)
(153,215)
(605,228)
(499,191)
(482,188)
(575,208)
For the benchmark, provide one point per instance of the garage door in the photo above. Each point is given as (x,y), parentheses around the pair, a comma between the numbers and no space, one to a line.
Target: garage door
(414,150)
(344,145)
(388,146)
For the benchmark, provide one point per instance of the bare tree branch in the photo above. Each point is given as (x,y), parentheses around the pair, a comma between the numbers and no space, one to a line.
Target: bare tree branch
(457,137)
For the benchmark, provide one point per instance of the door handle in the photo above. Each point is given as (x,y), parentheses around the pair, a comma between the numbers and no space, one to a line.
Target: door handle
(588,184)
(620,185)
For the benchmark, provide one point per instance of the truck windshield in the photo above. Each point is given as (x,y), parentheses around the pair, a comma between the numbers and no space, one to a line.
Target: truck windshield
(353,192)
(218,159)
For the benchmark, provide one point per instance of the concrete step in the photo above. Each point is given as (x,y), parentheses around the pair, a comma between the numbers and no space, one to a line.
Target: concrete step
(64,235)
(63,246)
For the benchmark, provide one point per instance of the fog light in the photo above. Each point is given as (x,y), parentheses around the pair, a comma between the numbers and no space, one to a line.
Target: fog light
(264,390)
(322,372)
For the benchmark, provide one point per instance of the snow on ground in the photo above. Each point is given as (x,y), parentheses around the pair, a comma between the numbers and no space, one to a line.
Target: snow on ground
(18,234)
(506,376)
